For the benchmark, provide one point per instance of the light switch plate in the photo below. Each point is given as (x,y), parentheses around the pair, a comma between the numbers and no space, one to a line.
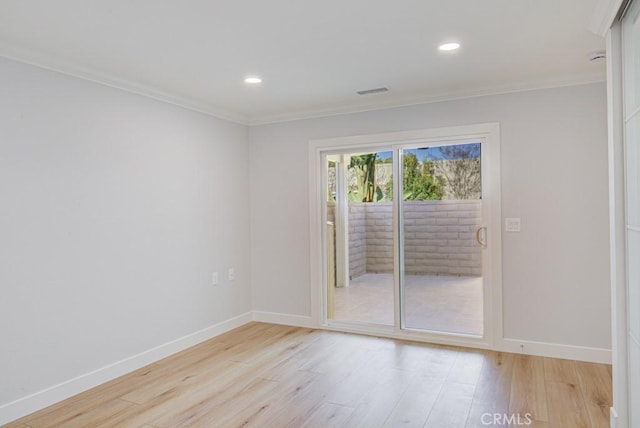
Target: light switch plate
(512,224)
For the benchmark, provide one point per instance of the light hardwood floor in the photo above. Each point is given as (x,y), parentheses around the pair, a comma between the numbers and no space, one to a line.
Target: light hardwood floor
(267,375)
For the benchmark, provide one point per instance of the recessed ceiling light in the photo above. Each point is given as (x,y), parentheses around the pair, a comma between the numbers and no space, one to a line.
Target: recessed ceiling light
(449,46)
(253,80)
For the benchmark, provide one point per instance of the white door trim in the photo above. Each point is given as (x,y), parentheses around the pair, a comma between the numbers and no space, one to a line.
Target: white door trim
(489,133)
(604,15)
(617,227)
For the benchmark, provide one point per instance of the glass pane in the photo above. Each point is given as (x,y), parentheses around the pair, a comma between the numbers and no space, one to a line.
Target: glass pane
(631,35)
(631,40)
(632,155)
(330,230)
(441,212)
(634,384)
(362,214)
(634,282)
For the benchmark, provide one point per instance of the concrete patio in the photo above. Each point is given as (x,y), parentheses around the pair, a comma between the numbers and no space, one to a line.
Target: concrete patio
(433,302)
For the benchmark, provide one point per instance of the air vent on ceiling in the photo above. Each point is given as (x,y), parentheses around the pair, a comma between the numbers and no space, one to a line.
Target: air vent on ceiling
(372,91)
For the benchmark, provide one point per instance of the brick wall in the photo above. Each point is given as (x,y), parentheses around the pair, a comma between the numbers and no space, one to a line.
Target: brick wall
(357,240)
(379,221)
(439,237)
(357,237)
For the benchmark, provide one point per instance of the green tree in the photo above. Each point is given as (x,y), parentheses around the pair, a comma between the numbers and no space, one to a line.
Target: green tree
(365,166)
(460,170)
(418,179)
(419,183)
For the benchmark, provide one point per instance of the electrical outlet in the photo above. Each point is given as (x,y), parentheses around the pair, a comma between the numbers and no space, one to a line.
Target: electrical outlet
(512,224)
(214,278)
(232,274)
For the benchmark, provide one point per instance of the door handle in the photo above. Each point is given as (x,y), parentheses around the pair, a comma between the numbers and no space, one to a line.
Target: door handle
(481,236)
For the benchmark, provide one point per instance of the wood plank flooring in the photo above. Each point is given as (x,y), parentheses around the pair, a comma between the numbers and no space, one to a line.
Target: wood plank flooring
(265,375)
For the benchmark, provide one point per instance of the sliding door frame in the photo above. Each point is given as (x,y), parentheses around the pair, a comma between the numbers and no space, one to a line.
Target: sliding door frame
(399,236)
(489,134)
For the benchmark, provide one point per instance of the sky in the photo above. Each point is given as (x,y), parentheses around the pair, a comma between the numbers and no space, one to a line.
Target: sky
(434,153)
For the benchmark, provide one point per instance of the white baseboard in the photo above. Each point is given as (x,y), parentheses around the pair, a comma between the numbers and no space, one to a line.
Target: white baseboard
(285,319)
(554,350)
(613,417)
(41,399)
(542,349)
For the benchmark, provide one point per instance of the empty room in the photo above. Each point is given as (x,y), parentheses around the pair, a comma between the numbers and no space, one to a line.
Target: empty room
(320,214)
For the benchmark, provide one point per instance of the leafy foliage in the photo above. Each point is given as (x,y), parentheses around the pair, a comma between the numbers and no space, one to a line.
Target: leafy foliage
(460,171)
(453,173)
(366,167)
(419,183)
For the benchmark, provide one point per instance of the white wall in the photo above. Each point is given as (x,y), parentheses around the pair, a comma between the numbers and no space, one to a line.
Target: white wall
(114,211)
(554,176)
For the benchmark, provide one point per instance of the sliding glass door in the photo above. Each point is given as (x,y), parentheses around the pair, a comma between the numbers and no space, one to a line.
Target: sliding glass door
(631,79)
(360,236)
(442,238)
(405,237)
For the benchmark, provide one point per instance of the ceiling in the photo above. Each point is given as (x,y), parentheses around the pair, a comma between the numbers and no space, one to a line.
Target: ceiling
(312,55)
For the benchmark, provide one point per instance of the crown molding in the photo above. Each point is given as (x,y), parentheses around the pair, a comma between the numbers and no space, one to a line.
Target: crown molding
(429,98)
(49,62)
(604,15)
(59,65)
